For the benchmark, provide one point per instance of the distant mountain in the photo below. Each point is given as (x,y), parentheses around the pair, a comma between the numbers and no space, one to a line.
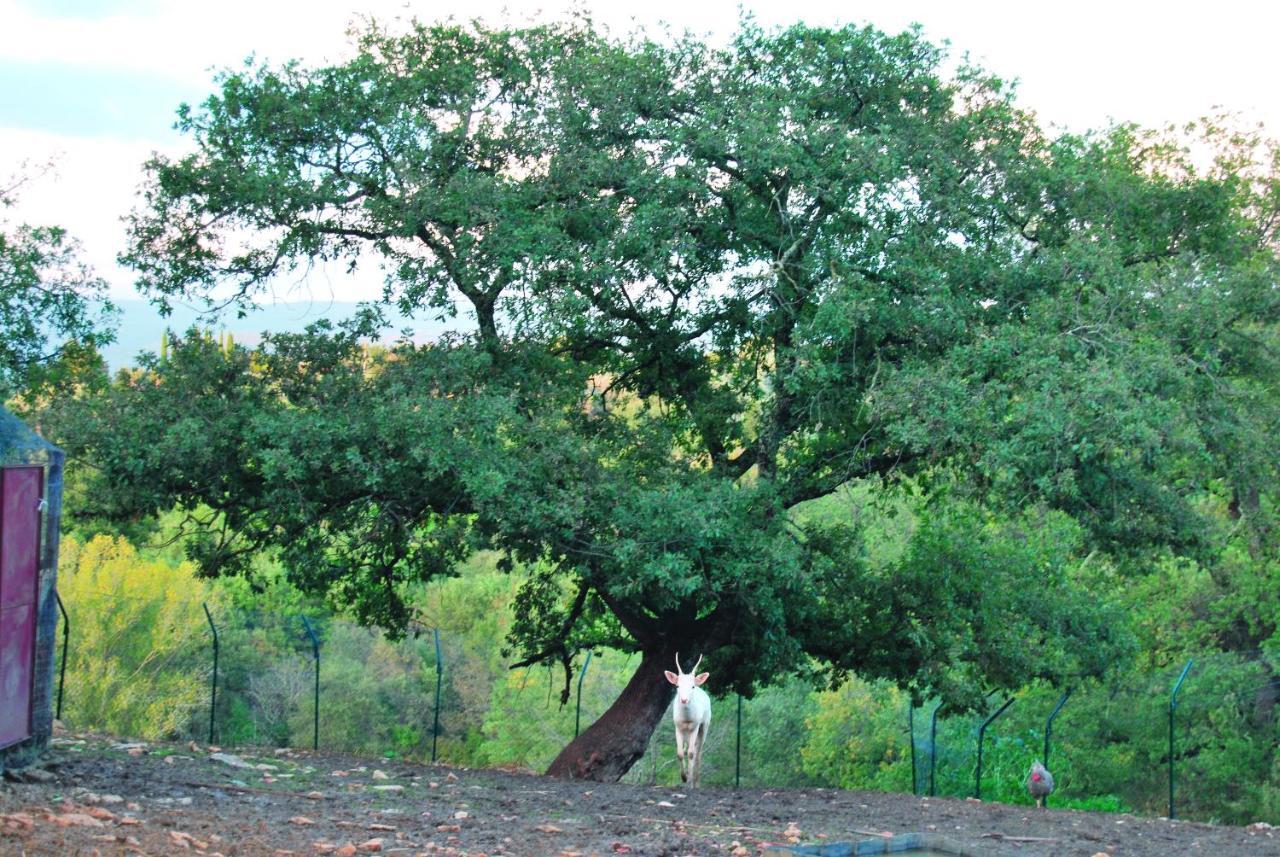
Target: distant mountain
(141,325)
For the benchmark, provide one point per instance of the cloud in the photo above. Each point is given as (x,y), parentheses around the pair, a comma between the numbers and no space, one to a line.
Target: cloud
(88,191)
(187,40)
(1081,63)
(109,102)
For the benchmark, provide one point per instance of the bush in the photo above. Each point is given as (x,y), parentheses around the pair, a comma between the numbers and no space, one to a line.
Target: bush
(140,660)
(856,738)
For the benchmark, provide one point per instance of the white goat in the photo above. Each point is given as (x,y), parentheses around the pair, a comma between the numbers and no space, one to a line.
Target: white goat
(691,712)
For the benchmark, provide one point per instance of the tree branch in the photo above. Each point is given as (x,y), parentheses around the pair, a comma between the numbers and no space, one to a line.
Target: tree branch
(557,646)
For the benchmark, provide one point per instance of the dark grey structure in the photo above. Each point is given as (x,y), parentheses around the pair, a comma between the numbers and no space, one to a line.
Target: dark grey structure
(30,512)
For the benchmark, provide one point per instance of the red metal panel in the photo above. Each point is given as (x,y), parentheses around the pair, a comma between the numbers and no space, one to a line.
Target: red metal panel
(17,648)
(20,489)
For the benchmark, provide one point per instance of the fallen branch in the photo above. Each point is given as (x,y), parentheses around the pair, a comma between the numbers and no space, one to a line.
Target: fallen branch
(248,790)
(1004,837)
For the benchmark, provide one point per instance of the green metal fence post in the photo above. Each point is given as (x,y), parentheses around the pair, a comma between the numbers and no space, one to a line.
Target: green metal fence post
(1173,704)
(577,720)
(435,727)
(66,638)
(213,688)
(911,736)
(977,784)
(315,706)
(737,760)
(1048,730)
(933,748)
(1048,725)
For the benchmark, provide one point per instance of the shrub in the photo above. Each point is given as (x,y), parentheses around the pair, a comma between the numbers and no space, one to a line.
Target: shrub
(140,657)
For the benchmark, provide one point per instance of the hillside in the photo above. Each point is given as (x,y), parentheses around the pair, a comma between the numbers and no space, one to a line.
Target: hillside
(141,325)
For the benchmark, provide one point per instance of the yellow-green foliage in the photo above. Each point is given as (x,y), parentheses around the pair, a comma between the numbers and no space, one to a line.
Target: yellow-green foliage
(140,655)
(856,739)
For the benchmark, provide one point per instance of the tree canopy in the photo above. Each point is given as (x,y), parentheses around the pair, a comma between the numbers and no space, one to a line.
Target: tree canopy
(724,297)
(53,311)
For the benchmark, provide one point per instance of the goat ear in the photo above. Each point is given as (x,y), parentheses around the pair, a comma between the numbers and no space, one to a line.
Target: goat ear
(672,677)
(701,678)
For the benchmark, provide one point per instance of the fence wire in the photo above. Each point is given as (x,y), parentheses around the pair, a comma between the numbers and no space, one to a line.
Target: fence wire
(378,697)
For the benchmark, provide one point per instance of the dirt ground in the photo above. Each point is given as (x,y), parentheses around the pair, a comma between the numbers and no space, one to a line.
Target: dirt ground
(94,795)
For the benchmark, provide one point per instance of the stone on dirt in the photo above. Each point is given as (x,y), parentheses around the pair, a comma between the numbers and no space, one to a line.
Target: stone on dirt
(185,840)
(230,759)
(75,819)
(17,821)
(93,797)
(29,775)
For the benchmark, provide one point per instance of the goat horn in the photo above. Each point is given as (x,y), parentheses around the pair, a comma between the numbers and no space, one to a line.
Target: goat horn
(679,670)
(695,666)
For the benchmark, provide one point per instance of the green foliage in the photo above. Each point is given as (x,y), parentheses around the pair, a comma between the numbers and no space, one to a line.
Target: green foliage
(972,597)
(362,677)
(774,725)
(526,726)
(855,738)
(141,659)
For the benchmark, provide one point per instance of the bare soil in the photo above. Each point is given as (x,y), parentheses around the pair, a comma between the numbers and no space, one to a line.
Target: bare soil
(93,795)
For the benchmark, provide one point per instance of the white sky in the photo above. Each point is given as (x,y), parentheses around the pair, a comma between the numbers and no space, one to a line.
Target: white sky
(95,83)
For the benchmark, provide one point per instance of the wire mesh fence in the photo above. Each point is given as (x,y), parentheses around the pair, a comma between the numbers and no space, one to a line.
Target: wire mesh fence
(289,679)
(1112,746)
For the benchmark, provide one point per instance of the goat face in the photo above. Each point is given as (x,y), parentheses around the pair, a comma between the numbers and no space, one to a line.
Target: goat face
(685,682)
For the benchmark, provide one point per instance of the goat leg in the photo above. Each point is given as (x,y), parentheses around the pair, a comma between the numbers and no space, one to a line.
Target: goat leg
(680,746)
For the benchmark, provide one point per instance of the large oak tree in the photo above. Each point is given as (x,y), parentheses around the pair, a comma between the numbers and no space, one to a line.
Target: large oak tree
(713,287)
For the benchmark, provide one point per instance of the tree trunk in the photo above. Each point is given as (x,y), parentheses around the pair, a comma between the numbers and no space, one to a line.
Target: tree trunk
(615,742)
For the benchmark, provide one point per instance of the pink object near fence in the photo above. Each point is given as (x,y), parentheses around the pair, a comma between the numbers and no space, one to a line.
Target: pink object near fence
(20,494)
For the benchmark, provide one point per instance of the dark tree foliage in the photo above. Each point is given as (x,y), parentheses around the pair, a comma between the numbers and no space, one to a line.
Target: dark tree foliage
(711,286)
